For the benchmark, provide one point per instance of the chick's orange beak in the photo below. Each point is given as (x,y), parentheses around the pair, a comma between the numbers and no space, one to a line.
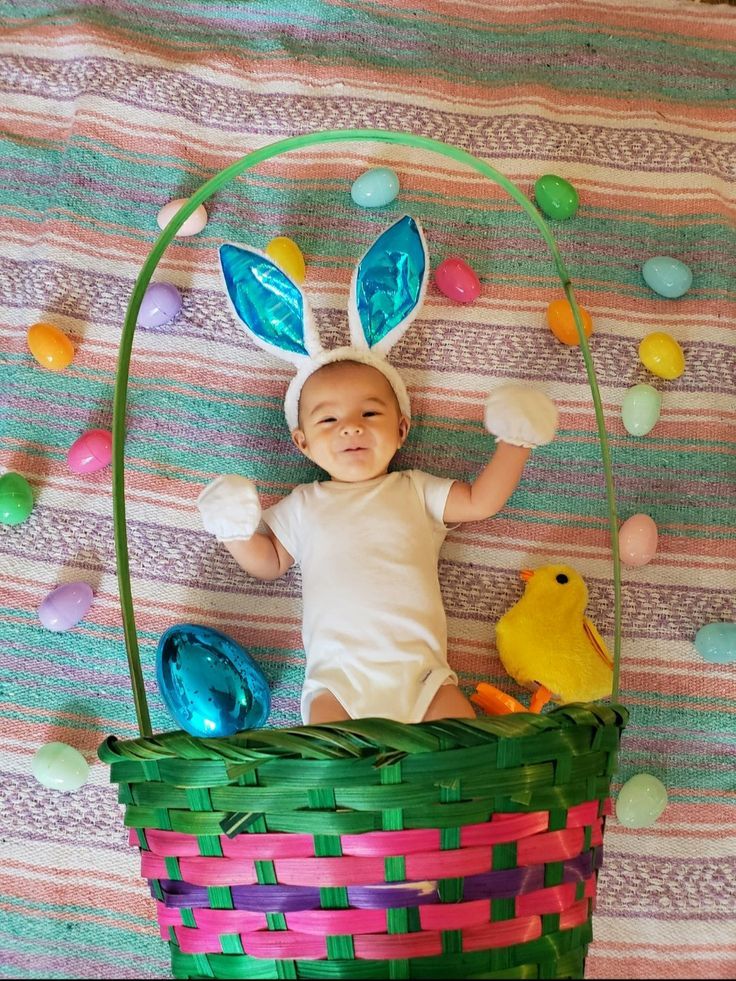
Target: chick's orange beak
(526,574)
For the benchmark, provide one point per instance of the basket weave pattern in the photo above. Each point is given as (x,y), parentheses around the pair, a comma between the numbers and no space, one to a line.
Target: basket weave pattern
(372,849)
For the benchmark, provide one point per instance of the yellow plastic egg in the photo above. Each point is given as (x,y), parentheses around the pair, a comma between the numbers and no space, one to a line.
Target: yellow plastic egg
(50,346)
(662,355)
(288,256)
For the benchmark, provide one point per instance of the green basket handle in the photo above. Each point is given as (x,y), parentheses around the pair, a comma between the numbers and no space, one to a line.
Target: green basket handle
(131,317)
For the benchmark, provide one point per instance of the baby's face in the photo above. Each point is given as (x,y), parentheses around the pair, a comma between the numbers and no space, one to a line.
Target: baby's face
(350,423)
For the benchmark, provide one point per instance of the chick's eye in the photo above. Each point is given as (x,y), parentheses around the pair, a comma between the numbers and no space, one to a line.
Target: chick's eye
(562,578)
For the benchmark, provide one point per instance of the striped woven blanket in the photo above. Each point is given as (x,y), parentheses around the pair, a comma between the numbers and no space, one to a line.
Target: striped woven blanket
(111,108)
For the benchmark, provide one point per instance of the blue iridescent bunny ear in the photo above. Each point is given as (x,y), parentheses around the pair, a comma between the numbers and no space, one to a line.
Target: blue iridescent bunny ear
(388,287)
(269,303)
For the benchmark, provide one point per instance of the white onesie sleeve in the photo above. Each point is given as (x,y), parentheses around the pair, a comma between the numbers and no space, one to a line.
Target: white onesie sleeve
(286,521)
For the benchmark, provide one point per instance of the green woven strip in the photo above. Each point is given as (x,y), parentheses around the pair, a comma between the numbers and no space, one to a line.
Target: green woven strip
(358,738)
(554,955)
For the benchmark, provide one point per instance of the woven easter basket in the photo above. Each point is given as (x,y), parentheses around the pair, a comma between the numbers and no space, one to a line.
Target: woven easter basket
(368,849)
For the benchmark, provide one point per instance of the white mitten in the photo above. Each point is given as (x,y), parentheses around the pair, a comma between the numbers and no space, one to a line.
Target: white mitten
(230,508)
(521,416)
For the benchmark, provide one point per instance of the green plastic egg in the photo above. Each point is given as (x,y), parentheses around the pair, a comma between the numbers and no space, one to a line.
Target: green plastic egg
(640,409)
(16,498)
(556,197)
(641,801)
(60,767)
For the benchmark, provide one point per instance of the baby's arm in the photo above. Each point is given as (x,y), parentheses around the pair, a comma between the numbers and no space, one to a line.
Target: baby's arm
(231,511)
(520,418)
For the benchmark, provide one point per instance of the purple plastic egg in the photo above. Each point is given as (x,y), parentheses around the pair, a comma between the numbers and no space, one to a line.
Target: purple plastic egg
(92,451)
(457,280)
(161,303)
(65,606)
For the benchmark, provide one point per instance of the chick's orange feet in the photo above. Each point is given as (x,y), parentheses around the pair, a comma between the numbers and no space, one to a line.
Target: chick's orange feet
(494,701)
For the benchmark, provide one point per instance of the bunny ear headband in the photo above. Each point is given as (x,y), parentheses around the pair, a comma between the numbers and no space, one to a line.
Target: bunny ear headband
(386,293)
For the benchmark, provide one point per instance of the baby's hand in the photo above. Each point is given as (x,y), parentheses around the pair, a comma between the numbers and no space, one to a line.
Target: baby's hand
(230,508)
(521,416)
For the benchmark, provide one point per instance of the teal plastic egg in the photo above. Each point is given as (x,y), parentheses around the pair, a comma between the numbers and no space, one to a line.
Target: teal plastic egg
(60,767)
(375,188)
(641,801)
(16,498)
(556,197)
(640,409)
(667,276)
(716,642)
(210,684)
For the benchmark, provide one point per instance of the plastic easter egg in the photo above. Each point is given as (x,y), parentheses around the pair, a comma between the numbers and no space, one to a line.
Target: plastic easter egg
(456,279)
(50,346)
(92,451)
(65,606)
(160,304)
(210,684)
(637,540)
(562,323)
(667,276)
(641,801)
(662,355)
(716,642)
(640,409)
(60,767)
(16,498)
(194,223)
(375,188)
(288,256)
(556,197)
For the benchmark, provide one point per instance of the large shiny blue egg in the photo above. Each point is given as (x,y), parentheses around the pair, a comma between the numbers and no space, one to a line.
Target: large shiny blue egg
(210,684)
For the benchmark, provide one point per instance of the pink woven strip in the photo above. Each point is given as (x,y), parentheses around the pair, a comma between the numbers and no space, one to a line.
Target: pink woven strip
(202,871)
(453,862)
(553,899)
(502,934)
(281,944)
(502,828)
(455,916)
(554,846)
(214,920)
(323,922)
(511,828)
(576,915)
(582,814)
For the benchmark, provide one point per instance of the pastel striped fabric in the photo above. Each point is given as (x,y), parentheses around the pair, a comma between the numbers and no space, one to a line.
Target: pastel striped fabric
(110,110)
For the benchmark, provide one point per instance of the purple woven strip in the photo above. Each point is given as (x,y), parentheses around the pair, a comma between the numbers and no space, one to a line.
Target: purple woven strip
(504,883)
(501,884)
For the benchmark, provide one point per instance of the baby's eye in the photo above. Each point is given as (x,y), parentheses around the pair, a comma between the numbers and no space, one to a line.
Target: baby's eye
(370,412)
(327,419)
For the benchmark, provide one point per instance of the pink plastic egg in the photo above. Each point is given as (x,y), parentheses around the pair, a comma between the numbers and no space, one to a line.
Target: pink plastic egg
(92,451)
(194,223)
(637,540)
(457,280)
(65,606)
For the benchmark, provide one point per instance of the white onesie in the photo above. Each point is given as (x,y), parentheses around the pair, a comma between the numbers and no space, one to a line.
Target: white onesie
(374,627)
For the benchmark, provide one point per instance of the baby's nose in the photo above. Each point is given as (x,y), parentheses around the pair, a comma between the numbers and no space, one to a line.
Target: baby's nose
(351,426)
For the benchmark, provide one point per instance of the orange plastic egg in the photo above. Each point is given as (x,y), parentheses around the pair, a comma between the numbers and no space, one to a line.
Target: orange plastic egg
(562,323)
(50,346)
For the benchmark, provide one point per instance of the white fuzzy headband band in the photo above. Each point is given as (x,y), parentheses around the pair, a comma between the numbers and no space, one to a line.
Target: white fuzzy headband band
(386,293)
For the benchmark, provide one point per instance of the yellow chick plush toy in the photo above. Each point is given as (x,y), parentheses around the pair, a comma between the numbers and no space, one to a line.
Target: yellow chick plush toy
(546,643)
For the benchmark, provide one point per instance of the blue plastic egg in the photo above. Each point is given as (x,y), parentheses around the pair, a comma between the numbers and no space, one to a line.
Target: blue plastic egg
(375,188)
(716,642)
(210,684)
(640,409)
(667,276)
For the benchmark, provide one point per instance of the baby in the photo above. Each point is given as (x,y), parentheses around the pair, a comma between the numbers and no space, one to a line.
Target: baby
(368,540)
